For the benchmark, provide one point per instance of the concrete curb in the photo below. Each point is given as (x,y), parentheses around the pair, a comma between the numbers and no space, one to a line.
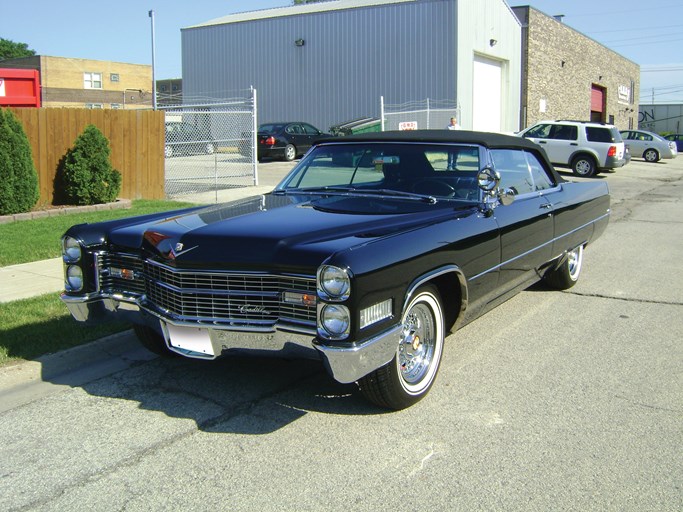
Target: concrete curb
(64,210)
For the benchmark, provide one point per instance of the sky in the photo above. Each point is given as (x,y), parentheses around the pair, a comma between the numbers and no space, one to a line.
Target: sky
(648,33)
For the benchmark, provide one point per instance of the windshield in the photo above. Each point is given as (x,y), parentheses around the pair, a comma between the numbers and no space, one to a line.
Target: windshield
(436,170)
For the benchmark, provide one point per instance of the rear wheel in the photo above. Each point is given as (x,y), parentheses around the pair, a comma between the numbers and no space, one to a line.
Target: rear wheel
(290,152)
(567,274)
(584,166)
(152,341)
(408,377)
(651,155)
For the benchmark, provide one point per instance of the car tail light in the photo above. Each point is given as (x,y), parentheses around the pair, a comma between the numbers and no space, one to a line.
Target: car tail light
(269,141)
(612,151)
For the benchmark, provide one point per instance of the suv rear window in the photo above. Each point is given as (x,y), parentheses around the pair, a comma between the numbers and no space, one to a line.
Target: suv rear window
(600,134)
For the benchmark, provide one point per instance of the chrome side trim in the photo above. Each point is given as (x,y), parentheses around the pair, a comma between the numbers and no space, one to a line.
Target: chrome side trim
(551,241)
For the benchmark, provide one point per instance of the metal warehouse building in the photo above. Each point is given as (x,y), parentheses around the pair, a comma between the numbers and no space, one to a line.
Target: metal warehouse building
(333,61)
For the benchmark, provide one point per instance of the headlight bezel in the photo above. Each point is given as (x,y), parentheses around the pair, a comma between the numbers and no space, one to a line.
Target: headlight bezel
(73,278)
(333,283)
(328,315)
(72,250)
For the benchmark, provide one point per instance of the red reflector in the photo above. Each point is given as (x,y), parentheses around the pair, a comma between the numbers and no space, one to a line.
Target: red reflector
(612,151)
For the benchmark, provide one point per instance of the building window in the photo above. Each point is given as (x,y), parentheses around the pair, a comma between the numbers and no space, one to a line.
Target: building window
(163,88)
(115,106)
(92,80)
(114,77)
(94,105)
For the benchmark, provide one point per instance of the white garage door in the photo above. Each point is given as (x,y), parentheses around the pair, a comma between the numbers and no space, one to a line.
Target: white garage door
(487,99)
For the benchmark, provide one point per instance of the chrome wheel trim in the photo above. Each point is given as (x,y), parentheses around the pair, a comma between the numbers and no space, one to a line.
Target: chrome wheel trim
(420,346)
(651,155)
(574,261)
(583,167)
(290,152)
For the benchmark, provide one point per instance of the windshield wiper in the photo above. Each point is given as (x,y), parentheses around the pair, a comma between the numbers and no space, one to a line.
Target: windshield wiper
(361,192)
(399,193)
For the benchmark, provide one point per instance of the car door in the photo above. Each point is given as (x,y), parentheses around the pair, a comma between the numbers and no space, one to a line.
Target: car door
(559,141)
(295,135)
(526,225)
(312,134)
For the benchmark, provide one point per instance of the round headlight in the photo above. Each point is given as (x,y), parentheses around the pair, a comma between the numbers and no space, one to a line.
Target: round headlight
(335,320)
(74,278)
(71,250)
(334,283)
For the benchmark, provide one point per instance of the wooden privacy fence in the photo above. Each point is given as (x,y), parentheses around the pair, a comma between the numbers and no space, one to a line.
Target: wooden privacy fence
(136,139)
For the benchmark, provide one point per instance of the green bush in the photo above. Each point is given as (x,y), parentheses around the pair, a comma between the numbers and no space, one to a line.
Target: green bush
(18,177)
(86,175)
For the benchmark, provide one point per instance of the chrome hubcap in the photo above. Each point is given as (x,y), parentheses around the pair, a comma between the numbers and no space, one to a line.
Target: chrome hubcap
(575,258)
(583,167)
(418,343)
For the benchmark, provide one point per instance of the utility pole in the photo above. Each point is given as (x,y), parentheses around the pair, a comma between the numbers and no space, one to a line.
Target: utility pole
(154,82)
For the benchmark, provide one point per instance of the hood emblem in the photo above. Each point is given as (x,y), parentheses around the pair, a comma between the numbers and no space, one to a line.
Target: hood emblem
(178,250)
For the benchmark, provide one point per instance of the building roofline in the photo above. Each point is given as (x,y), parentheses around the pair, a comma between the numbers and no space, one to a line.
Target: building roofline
(293,10)
(528,7)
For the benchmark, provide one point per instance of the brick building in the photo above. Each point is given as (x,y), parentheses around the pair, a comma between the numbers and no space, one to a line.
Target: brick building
(567,75)
(84,83)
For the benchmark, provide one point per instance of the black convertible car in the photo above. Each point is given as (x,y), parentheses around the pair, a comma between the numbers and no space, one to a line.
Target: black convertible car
(365,257)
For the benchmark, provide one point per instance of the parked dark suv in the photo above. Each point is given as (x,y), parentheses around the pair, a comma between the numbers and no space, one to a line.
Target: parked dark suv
(586,147)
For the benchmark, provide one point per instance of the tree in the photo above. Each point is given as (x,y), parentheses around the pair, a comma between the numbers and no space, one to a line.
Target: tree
(18,177)
(11,50)
(86,175)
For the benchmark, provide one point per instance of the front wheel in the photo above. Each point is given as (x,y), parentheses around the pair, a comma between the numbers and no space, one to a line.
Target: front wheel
(152,340)
(651,155)
(408,377)
(567,274)
(290,152)
(584,166)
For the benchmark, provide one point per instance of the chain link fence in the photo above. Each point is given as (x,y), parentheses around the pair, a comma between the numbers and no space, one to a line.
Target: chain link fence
(209,146)
(418,115)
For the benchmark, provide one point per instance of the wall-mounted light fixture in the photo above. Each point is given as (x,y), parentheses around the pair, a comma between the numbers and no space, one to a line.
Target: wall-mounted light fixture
(299,42)
(493,42)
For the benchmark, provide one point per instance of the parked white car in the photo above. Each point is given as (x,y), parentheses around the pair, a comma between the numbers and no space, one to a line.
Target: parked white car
(648,145)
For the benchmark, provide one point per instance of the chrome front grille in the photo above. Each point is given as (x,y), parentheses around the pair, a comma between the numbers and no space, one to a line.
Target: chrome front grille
(209,296)
(112,279)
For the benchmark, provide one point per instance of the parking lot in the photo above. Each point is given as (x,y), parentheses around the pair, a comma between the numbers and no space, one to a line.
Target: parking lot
(553,401)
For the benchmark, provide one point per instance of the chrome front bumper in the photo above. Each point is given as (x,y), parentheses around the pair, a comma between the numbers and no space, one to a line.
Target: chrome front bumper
(344,363)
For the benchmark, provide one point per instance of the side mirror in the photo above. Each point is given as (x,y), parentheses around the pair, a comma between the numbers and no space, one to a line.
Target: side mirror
(488,179)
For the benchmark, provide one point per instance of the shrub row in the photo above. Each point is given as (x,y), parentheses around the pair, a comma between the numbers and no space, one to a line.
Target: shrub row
(85,175)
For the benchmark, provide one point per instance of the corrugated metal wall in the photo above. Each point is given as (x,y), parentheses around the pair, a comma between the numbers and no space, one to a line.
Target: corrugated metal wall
(350,58)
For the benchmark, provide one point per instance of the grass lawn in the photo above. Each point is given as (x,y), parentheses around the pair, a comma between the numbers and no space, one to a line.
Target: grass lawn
(42,325)
(39,239)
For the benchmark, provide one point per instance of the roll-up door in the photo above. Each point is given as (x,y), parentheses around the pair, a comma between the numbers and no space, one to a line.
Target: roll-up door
(487,95)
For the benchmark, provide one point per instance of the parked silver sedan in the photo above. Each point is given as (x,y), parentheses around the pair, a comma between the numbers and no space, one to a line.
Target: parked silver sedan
(648,145)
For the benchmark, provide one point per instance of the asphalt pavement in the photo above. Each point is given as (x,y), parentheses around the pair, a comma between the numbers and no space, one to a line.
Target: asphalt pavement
(552,401)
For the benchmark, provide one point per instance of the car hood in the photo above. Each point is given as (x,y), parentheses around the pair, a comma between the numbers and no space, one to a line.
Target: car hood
(296,231)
